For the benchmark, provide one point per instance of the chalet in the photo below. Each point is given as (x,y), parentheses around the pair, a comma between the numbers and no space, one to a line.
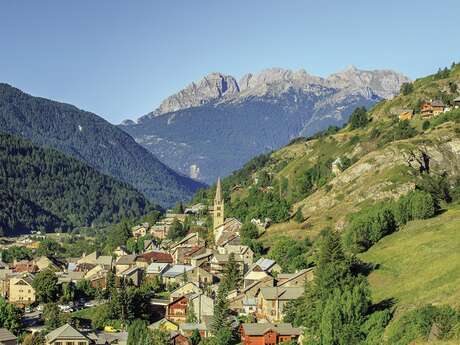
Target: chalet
(271,301)
(297,279)
(6,337)
(67,335)
(21,291)
(268,333)
(406,115)
(438,107)
(176,311)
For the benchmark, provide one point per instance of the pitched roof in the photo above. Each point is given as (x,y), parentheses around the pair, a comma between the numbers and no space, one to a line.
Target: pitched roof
(437,103)
(64,332)
(177,270)
(156,267)
(126,259)
(6,335)
(295,275)
(156,256)
(262,328)
(265,264)
(281,293)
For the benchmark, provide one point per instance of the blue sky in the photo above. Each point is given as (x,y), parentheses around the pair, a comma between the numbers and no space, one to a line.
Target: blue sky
(119,59)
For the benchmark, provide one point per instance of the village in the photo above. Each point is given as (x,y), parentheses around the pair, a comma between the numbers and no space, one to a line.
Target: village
(189,269)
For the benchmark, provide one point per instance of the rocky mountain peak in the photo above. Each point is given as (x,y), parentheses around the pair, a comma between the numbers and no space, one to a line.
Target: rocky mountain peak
(212,87)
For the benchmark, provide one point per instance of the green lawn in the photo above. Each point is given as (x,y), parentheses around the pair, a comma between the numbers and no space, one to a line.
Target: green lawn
(420,263)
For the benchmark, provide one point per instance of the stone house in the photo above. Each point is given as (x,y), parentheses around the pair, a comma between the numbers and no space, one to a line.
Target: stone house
(271,301)
(268,333)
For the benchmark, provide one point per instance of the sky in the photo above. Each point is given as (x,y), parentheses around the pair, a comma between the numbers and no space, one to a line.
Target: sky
(120,59)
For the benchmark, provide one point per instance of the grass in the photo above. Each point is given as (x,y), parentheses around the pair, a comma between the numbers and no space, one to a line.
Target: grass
(87,314)
(420,263)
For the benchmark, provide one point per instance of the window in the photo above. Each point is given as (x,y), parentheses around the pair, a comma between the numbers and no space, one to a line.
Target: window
(81,343)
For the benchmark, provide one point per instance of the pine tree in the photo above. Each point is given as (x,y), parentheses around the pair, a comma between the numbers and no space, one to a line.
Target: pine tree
(232,275)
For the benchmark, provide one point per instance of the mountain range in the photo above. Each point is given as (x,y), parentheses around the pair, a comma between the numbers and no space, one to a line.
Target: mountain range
(89,138)
(213,126)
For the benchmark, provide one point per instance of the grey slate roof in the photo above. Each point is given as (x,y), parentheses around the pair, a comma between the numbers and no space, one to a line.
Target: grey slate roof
(281,293)
(127,260)
(262,328)
(64,332)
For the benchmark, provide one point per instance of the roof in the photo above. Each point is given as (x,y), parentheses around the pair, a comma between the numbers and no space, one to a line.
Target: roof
(6,335)
(203,255)
(156,256)
(295,275)
(281,293)
(265,264)
(437,103)
(130,271)
(250,302)
(193,326)
(64,332)
(156,267)
(188,237)
(457,99)
(160,322)
(126,259)
(262,328)
(218,196)
(177,270)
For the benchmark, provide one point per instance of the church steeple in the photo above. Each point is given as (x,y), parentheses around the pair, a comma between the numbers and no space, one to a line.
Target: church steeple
(218,214)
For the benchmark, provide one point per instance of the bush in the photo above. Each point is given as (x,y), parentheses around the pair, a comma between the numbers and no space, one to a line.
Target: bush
(415,205)
(368,226)
(359,118)
(426,125)
(406,88)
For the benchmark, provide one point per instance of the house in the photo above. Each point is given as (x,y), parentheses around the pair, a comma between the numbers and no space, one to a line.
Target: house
(271,301)
(6,337)
(249,306)
(125,262)
(156,269)
(260,270)
(95,259)
(120,251)
(246,253)
(185,289)
(200,276)
(140,230)
(164,325)
(227,232)
(21,291)
(297,279)
(133,274)
(176,274)
(46,262)
(25,266)
(203,259)
(178,339)
(219,261)
(66,335)
(202,305)
(191,240)
(268,333)
(186,258)
(145,259)
(160,229)
(150,245)
(406,115)
(236,301)
(203,328)
(196,209)
(438,107)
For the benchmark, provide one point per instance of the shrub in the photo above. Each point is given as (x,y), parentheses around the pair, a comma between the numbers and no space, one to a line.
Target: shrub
(426,125)
(359,118)
(406,88)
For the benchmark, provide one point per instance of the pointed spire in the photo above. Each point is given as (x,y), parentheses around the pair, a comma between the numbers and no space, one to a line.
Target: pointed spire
(218,190)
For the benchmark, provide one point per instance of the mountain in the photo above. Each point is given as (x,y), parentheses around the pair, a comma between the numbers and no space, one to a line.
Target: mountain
(213,126)
(43,189)
(89,138)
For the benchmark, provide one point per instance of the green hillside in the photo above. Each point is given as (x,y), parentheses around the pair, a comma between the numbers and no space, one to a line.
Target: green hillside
(419,264)
(42,189)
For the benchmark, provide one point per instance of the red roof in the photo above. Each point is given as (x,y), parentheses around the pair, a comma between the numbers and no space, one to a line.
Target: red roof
(155,256)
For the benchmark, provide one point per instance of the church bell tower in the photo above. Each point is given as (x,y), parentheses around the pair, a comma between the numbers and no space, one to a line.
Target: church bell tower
(218,214)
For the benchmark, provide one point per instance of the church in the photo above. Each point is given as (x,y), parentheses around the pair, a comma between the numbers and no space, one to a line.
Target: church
(226,231)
